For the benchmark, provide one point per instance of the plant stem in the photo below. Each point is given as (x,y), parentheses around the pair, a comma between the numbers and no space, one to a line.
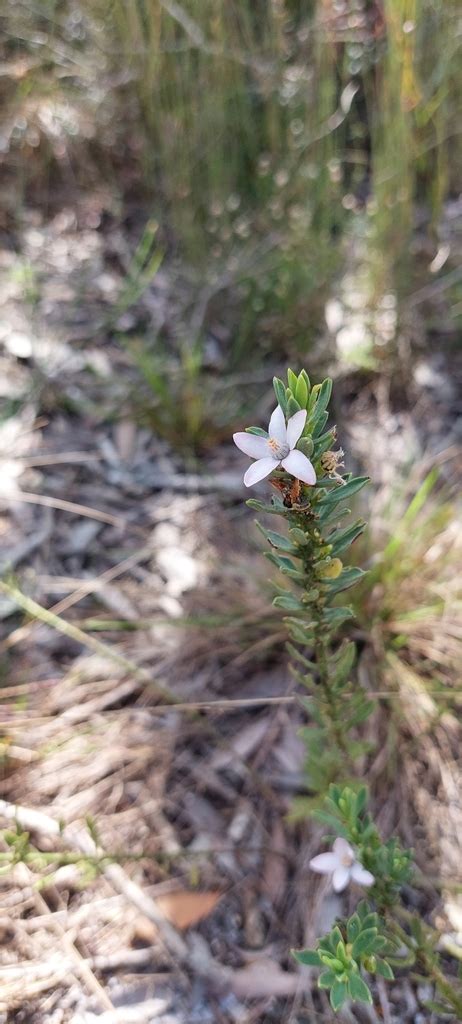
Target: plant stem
(430,966)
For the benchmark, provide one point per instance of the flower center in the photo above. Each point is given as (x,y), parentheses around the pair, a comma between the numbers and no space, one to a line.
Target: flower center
(347,860)
(278,451)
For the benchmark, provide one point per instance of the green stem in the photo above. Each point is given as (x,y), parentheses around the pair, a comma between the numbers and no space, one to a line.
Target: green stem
(333,725)
(445,988)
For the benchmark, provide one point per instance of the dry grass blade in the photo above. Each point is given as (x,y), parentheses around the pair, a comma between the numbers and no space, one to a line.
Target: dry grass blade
(81,591)
(65,506)
(49,618)
(36,821)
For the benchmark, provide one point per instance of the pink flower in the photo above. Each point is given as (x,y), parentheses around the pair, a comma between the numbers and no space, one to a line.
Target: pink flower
(341,863)
(278,449)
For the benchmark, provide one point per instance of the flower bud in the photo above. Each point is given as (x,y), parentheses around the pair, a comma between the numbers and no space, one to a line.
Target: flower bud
(370,963)
(305,445)
(332,570)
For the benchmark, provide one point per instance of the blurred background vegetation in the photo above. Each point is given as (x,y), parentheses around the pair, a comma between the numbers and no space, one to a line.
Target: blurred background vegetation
(194,193)
(269,146)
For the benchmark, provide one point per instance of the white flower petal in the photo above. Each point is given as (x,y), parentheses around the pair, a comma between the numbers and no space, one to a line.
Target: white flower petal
(251,444)
(340,878)
(259,470)
(295,427)
(299,466)
(277,426)
(343,849)
(361,875)
(325,863)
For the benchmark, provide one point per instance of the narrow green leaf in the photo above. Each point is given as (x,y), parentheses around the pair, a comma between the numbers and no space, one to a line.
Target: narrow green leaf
(292,407)
(292,381)
(338,994)
(288,602)
(380,944)
(348,577)
(323,443)
(342,539)
(298,656)
(327,979)
(359,991)
(256,430)
(278,540)
(353,928)
(319,424)
(335,617)
(328,514)
(301,391)
(361,801)
(384,970)
(309,957)
(277,509)
(323,397)
(280,392)
(300,633)
(296,575)
(281,561)
(342,663)
(364,942)
(298,536)
(342,492)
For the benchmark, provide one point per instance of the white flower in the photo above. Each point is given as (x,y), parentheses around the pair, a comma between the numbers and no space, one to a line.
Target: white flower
(341,863)
(278,449)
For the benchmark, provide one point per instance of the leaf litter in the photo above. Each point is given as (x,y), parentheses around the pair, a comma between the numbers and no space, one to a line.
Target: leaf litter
(200,884)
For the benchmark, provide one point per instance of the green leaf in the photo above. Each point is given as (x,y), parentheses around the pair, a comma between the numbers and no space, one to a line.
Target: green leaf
(292,381)
(278,540)
(384,970)
(343,663)
(364,943)
(301,624)
(353,927)
(298,536)
(300,633)
(361,803)
(282,561)
(348,577)
(301,391)
(335,617)
(280,392)
(342,539)
(310,957)
(322,397)
(288,602)
(256,430)
(344,491)
(298,656)
(327,979)
(359,991)
(338,994)
(319,424)
(292,407)
(277,509)
(335,937)
(328,515)
(294,574)
(323,443)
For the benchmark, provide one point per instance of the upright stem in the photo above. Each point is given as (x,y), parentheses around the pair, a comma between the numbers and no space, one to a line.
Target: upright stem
(431,968)
(321,642)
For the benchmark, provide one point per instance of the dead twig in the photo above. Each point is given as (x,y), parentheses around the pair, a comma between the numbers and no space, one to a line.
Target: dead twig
(36,821)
